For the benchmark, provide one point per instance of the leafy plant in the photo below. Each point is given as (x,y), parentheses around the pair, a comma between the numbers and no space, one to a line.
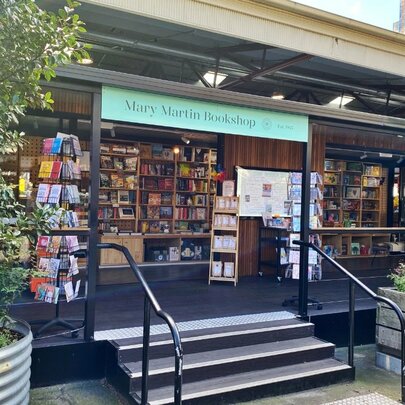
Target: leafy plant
(33,42)
(398,277)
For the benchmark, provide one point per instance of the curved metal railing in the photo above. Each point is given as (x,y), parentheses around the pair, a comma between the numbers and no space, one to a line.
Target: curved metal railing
(151,301)
(353,281)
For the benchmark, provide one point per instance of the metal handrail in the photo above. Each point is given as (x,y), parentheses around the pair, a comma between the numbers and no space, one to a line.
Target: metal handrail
(150,300)
(353,282)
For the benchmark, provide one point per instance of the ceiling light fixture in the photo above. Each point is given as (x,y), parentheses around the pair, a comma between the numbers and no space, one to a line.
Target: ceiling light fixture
(210,78)
(341,100)
(363,156)
(277,96)
(185,140)
(176,150)
(112,132)
(401,159)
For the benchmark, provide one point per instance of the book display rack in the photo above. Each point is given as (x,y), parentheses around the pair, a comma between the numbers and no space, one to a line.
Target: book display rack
(59,176)
(290,253)
(224,240)
(352,194)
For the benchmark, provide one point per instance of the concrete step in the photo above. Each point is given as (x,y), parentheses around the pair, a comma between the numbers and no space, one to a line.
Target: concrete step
(224,362)
(130,350)
(246,386)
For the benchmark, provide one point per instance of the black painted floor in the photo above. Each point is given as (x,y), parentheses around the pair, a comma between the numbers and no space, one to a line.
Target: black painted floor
(122,306)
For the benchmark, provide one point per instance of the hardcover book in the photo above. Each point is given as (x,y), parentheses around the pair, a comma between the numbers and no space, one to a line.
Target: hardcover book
(131,163)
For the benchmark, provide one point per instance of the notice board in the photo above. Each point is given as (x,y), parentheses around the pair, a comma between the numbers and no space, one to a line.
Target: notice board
(261,191)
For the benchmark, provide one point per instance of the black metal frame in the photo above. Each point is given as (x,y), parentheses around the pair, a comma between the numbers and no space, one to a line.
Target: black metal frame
(353,281)
(151,302)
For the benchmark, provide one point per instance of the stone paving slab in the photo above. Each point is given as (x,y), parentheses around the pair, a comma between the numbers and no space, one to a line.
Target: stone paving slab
(370,399)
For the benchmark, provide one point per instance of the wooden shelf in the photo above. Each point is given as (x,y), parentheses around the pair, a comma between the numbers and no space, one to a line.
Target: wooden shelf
(231,279)
(123,155)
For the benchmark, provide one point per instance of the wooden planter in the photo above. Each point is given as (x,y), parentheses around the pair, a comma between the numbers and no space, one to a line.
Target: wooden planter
(15,368)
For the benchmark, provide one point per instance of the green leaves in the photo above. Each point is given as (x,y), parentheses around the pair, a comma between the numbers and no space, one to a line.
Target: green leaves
(398,277)
(33,42)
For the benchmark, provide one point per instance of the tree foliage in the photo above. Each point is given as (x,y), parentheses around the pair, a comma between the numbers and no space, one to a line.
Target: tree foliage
(33,43)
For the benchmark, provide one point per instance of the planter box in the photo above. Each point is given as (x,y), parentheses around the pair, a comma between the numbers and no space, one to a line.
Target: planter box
(387,317)
(15,368)
(388,336)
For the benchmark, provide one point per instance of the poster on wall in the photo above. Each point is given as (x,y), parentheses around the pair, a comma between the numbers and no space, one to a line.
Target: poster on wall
(262,191)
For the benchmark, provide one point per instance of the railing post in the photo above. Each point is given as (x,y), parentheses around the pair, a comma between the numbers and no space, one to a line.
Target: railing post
(350,351)
(145,351)
(402,364)
(178,376)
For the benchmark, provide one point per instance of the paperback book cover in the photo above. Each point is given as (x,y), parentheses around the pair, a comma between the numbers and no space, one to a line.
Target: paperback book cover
(45,169)
(43,193)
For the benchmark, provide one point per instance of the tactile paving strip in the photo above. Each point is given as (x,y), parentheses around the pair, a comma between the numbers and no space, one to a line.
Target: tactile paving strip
(369,399)
(124,333)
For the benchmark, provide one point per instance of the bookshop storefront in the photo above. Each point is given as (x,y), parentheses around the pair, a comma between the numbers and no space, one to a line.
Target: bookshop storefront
(146,188)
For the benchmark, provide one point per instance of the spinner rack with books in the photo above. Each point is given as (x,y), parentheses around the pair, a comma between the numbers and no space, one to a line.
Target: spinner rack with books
(315,213)
(224,240)
(60,175)
(294,195)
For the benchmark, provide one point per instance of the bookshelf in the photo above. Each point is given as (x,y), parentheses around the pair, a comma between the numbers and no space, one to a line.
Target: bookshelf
(352,194)
(119,168)
(224,240)
(147,191)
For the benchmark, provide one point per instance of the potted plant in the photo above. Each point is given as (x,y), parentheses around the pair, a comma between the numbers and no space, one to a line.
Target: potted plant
(33,42)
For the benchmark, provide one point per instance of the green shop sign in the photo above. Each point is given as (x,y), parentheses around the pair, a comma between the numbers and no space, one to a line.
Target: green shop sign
(169,111)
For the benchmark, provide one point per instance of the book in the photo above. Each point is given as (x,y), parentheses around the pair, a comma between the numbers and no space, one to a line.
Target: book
(123,197)
(106,162)
(73,266)
(119,149)
(166,212)
(72,243)
(157,150)
(104,148)
(43,264)
(105,180)
(154,199)
(130,182)
(43,193)
(55,193)
(130,163)
(47,146)
(118,164)
(45,169)
(174,254)
(71,293)
(53,267)
(56,146)
(42,244)
(117,181)
(145,151)
(56,169)
(153,212)
(167,154)
(216,270)
(229,269)
(132,149)
(54,245)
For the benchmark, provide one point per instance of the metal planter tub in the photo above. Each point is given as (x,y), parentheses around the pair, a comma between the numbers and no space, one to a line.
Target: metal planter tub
(15,367)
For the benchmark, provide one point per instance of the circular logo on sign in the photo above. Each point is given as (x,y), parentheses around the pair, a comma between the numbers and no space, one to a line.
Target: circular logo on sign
(266,123)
